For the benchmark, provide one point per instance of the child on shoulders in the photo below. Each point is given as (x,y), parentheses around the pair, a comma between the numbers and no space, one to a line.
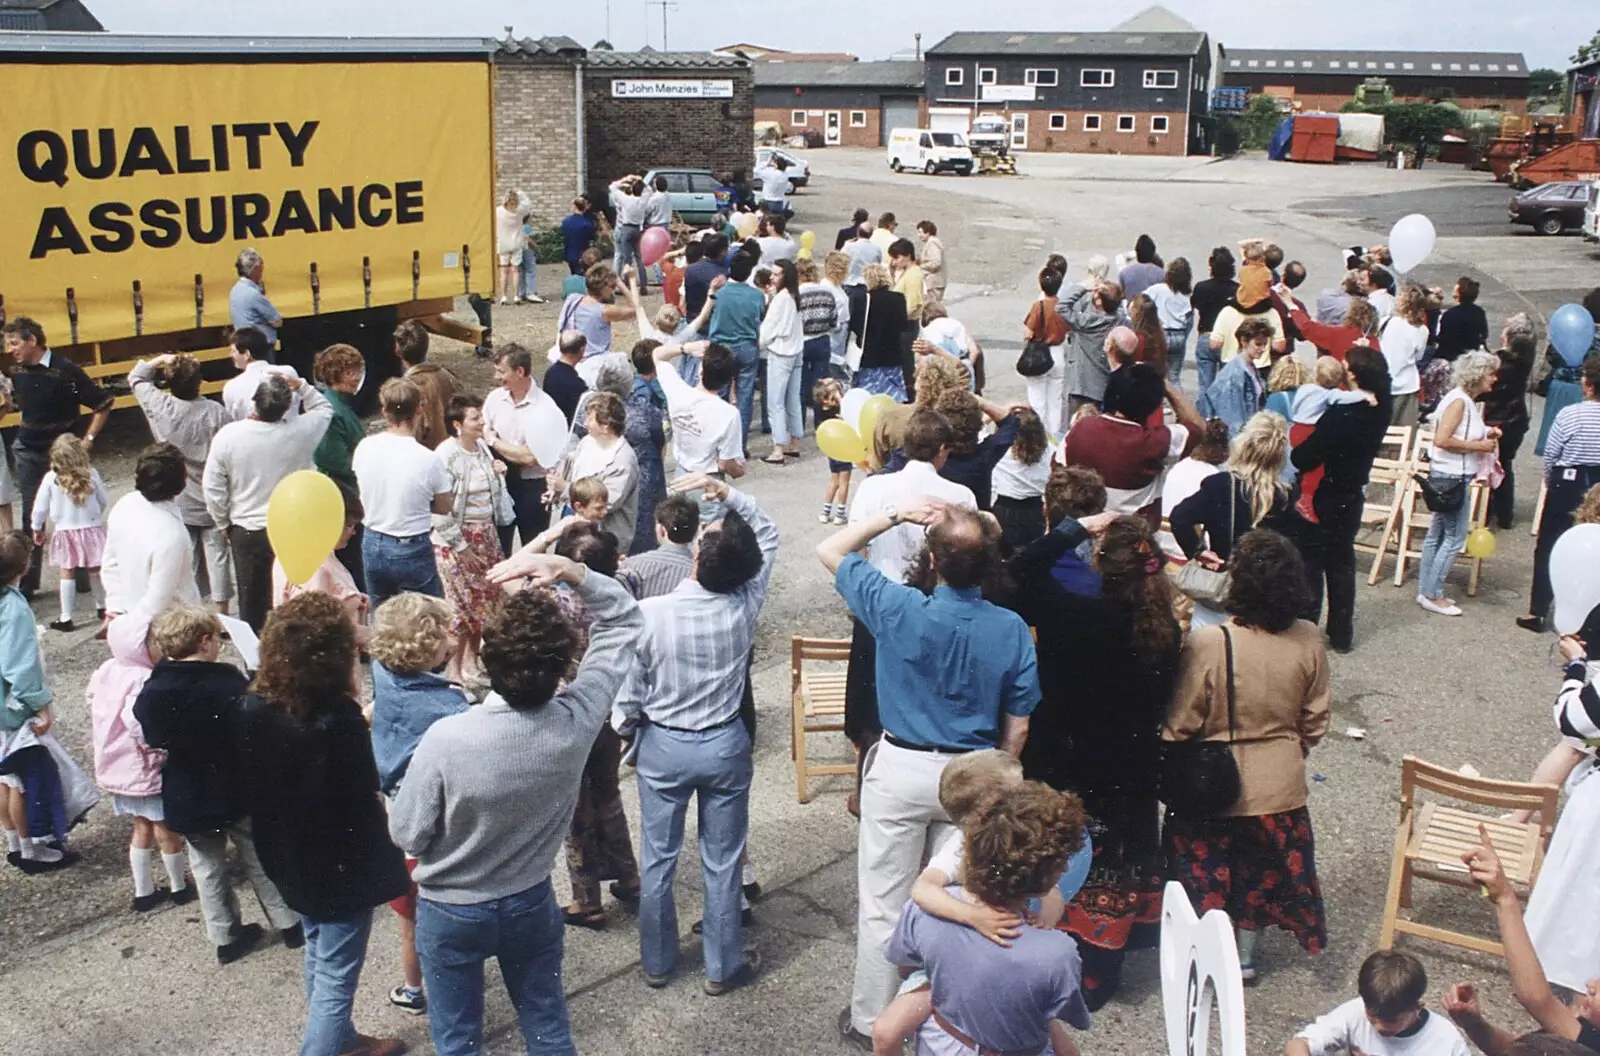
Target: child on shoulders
(1310,403)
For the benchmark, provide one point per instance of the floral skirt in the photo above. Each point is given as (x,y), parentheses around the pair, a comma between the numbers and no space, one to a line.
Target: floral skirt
(1119,906)
(889,381)
(465,573)
(1260,870)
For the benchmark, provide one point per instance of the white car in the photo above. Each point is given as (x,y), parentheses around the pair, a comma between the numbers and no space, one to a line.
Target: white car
(799,172)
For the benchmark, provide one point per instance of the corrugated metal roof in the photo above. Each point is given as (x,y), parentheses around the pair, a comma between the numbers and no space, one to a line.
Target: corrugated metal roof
(839,74)
(541,48)
(121,44)
(1023,44)
(23,20)
(650,58)
(27,5)
(1438,65)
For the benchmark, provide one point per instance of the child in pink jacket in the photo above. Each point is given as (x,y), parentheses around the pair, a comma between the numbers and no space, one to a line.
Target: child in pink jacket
(129,769)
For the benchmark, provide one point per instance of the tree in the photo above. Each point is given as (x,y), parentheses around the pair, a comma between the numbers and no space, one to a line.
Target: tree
(1545,85)
(1589,52)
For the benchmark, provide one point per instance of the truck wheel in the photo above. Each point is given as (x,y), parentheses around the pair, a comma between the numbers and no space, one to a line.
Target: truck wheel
(894,163)
(1551,224)
(930,168)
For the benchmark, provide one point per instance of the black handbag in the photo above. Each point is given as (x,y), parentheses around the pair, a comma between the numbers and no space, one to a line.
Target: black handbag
(1442,498)
(1200,778)
(1036,359)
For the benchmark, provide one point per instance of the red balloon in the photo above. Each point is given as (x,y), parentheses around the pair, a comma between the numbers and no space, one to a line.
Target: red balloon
(653,245)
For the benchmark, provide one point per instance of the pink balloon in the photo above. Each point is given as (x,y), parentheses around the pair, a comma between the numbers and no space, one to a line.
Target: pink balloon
(653,245)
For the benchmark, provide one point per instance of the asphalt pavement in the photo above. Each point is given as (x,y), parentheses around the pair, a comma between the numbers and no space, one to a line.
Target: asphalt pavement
(85,974)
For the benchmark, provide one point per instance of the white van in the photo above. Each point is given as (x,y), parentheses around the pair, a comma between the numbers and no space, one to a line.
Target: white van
(1591,212)
(924,150)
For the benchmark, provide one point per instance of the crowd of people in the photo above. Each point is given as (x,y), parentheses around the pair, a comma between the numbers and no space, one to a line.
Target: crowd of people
(1058,650)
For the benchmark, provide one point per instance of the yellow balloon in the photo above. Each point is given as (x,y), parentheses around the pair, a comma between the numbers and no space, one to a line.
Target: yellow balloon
(871,410)
(840,442)
(1480,543)
(745,224)
(304,518)
(807,240)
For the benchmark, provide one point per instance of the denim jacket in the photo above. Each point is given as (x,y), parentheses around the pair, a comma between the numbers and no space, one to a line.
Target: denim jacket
(403,707)
(1235,395)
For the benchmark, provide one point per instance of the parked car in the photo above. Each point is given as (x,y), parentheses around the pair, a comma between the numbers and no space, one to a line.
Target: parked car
(799,172)
(924,150)
(1551,208)
(697,195)
(1591,213)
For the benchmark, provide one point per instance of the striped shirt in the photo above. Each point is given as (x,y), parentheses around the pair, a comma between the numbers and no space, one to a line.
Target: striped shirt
(1577,709)
(1574,438)
(692,654)
(657,572)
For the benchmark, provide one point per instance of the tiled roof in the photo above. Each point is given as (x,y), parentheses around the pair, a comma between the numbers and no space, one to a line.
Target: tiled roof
(541,48)
(1024,44)
(839,75)
(649,58)
(1441,65)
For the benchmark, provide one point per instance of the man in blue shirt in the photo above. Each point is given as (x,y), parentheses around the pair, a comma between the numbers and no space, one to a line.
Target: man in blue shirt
(578,232)
(736,323)
(247,302)
(697,276)
(955,674)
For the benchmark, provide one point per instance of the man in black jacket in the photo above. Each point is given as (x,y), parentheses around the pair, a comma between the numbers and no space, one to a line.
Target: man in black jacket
(1347,439)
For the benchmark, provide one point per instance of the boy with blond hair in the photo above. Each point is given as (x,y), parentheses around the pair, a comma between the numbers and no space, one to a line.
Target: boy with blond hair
(590,500)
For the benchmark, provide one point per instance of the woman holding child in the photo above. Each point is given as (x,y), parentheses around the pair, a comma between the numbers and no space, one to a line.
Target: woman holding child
(1108,659)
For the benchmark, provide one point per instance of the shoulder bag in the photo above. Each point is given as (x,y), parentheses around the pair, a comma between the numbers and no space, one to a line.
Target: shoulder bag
(1207,586)
(854,346)
(1200,778)
(1035,360)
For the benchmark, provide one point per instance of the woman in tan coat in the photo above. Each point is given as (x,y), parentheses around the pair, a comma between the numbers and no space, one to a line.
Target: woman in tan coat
(1257,860)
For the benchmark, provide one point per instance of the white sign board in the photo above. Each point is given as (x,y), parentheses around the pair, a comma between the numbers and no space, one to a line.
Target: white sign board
(1008,93)
(1199,973)
(671,89)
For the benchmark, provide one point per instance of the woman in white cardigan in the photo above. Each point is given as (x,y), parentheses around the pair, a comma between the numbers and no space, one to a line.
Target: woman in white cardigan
(783,341)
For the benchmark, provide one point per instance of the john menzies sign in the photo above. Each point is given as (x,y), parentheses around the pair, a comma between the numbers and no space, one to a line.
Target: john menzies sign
(671,89)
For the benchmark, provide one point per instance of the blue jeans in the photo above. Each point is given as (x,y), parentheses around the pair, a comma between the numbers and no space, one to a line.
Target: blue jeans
(530,273)
(747,357)
(1177,341)
(673,766)
(1447,534)
(523,932)
(783,385)
(813,368)
(626,251)
(335,951)
(1207,361)
(394,566)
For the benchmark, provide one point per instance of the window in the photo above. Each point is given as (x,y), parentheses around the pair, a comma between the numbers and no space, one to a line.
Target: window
(1097,78)
(1162,78)
(1047,78)
(858,119)
(1158,123)
(797,117)
(1126,123)
(1091,122)
(925,142)
(677,182)
(703,183)
(988,75)
(1058,122)
(954,75)
(948,139)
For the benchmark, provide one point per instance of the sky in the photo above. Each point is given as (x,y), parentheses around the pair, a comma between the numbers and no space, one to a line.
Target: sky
(1546,33)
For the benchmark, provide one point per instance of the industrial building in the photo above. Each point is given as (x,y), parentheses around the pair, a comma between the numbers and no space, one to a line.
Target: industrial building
(850,104)
(1326,80)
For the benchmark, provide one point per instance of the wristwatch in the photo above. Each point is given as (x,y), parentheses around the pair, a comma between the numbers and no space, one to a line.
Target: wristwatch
(893,514)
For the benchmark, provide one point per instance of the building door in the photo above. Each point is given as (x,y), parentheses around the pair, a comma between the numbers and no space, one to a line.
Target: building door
(1019,131)
(949,119)
(830,128)
(896,113)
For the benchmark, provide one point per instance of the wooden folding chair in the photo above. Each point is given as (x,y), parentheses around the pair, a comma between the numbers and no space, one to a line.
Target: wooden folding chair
(1416,518)
(1386,488)
(1432,838)
(817,700)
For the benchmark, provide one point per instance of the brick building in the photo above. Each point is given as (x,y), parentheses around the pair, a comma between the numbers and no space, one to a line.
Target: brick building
(648,109)
(538,88)
(852,104)
(1096,93)
(1326,80)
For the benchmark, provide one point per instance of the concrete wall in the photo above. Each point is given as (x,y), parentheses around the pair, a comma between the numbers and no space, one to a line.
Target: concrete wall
(633,135)
(536,135)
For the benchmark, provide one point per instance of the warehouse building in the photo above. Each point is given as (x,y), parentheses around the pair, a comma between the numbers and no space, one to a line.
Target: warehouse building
(568,120)
(1586,99)
(1326,80)
(850,104)
(1094,93)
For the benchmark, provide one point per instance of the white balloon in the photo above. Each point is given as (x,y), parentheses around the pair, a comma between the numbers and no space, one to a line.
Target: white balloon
(850,407)
(545,431)
(1575,575)
(1411,241)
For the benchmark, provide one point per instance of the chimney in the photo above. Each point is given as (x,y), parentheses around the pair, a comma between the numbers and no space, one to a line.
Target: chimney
(919,47)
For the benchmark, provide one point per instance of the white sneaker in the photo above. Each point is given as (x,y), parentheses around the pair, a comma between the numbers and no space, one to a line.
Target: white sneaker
(505,300)
(534,298)
(1436,608)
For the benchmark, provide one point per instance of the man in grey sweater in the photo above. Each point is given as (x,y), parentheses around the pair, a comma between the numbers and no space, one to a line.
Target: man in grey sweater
(1090,311)
(489,795)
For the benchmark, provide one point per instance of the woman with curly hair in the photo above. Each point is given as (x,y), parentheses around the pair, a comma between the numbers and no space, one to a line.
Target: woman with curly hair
(466,541)
(988,997)
(1260,683)
(972,460)
(340,371)
(310,785)
(1108,661)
